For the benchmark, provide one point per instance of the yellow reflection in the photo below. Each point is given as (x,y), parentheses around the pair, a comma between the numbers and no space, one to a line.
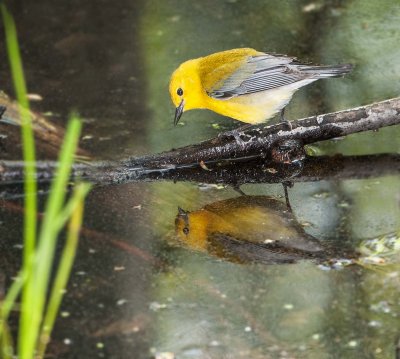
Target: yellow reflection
(247,229)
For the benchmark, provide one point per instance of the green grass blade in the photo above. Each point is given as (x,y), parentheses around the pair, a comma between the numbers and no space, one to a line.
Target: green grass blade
(35,273)
(30,186)
(7,347)
(10,299)
(66,213)
(47,240)
(27,131)
(64,268)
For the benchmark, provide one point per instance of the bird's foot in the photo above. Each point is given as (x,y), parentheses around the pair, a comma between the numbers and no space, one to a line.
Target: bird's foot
(285,120)
(288,152)
(236,135)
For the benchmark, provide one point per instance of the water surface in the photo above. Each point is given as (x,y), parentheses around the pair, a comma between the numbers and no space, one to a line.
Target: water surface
(135,291)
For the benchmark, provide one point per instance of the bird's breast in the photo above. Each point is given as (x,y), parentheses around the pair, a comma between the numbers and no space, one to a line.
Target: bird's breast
(252,108)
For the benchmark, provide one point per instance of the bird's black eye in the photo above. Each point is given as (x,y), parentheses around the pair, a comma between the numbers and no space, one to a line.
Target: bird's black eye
(179,91)
(185,230)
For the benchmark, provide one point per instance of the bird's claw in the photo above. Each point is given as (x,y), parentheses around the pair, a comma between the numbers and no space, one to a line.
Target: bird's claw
(289,124)
(288,152)
(236,135)
(285,120)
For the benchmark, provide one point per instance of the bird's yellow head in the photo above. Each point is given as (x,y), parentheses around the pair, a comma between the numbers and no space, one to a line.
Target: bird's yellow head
(185,88)
(191,228)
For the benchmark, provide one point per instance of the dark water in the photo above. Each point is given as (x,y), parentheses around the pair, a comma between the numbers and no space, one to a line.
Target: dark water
(135,291)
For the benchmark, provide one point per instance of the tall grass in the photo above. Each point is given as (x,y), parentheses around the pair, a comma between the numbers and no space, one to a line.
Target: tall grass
(37,313)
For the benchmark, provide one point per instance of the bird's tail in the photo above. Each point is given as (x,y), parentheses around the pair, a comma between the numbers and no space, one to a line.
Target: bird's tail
(326,71)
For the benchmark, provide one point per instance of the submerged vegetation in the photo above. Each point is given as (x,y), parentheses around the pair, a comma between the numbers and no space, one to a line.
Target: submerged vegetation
(37,311)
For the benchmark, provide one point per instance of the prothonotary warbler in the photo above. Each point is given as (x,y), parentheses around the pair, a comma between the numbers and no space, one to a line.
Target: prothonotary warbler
(245,229)
(244,84)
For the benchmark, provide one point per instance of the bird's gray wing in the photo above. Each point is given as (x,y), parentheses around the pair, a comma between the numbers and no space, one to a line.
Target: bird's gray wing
(236,250)
(259,73)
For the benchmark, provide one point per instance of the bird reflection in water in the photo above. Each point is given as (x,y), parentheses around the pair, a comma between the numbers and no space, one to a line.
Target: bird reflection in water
(248,229)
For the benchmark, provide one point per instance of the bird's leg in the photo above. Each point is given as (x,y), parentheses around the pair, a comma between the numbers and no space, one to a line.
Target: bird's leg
(286,185)
(284,120)
(244,127)
(288,152)
(237,189)
(2,110)
(236,134)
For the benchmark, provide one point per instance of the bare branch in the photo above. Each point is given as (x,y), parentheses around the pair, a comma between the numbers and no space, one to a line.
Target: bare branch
(260,140)
(219,153)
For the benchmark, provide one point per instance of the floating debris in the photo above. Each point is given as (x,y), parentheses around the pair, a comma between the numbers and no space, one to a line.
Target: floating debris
(384,245)
(87,137)
(336,264)
(322,195)
(165,355)
(121,301)
(209,186)
(352,343)
(312,6)
(375,324)
(119,268)
(306,224)
(343,204)
(381,307)
(155,306)
(216,126)
(34,97)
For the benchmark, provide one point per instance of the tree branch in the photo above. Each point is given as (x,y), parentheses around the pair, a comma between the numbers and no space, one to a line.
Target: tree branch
(260,140)
(218,154)
(229,173)
(260,143)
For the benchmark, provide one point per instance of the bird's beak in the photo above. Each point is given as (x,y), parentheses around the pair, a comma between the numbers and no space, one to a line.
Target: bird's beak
(182,212)
(178,112)
(184,215)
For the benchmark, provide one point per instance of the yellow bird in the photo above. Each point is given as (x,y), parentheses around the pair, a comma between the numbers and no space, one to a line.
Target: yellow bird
(246,229)
(244,84)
